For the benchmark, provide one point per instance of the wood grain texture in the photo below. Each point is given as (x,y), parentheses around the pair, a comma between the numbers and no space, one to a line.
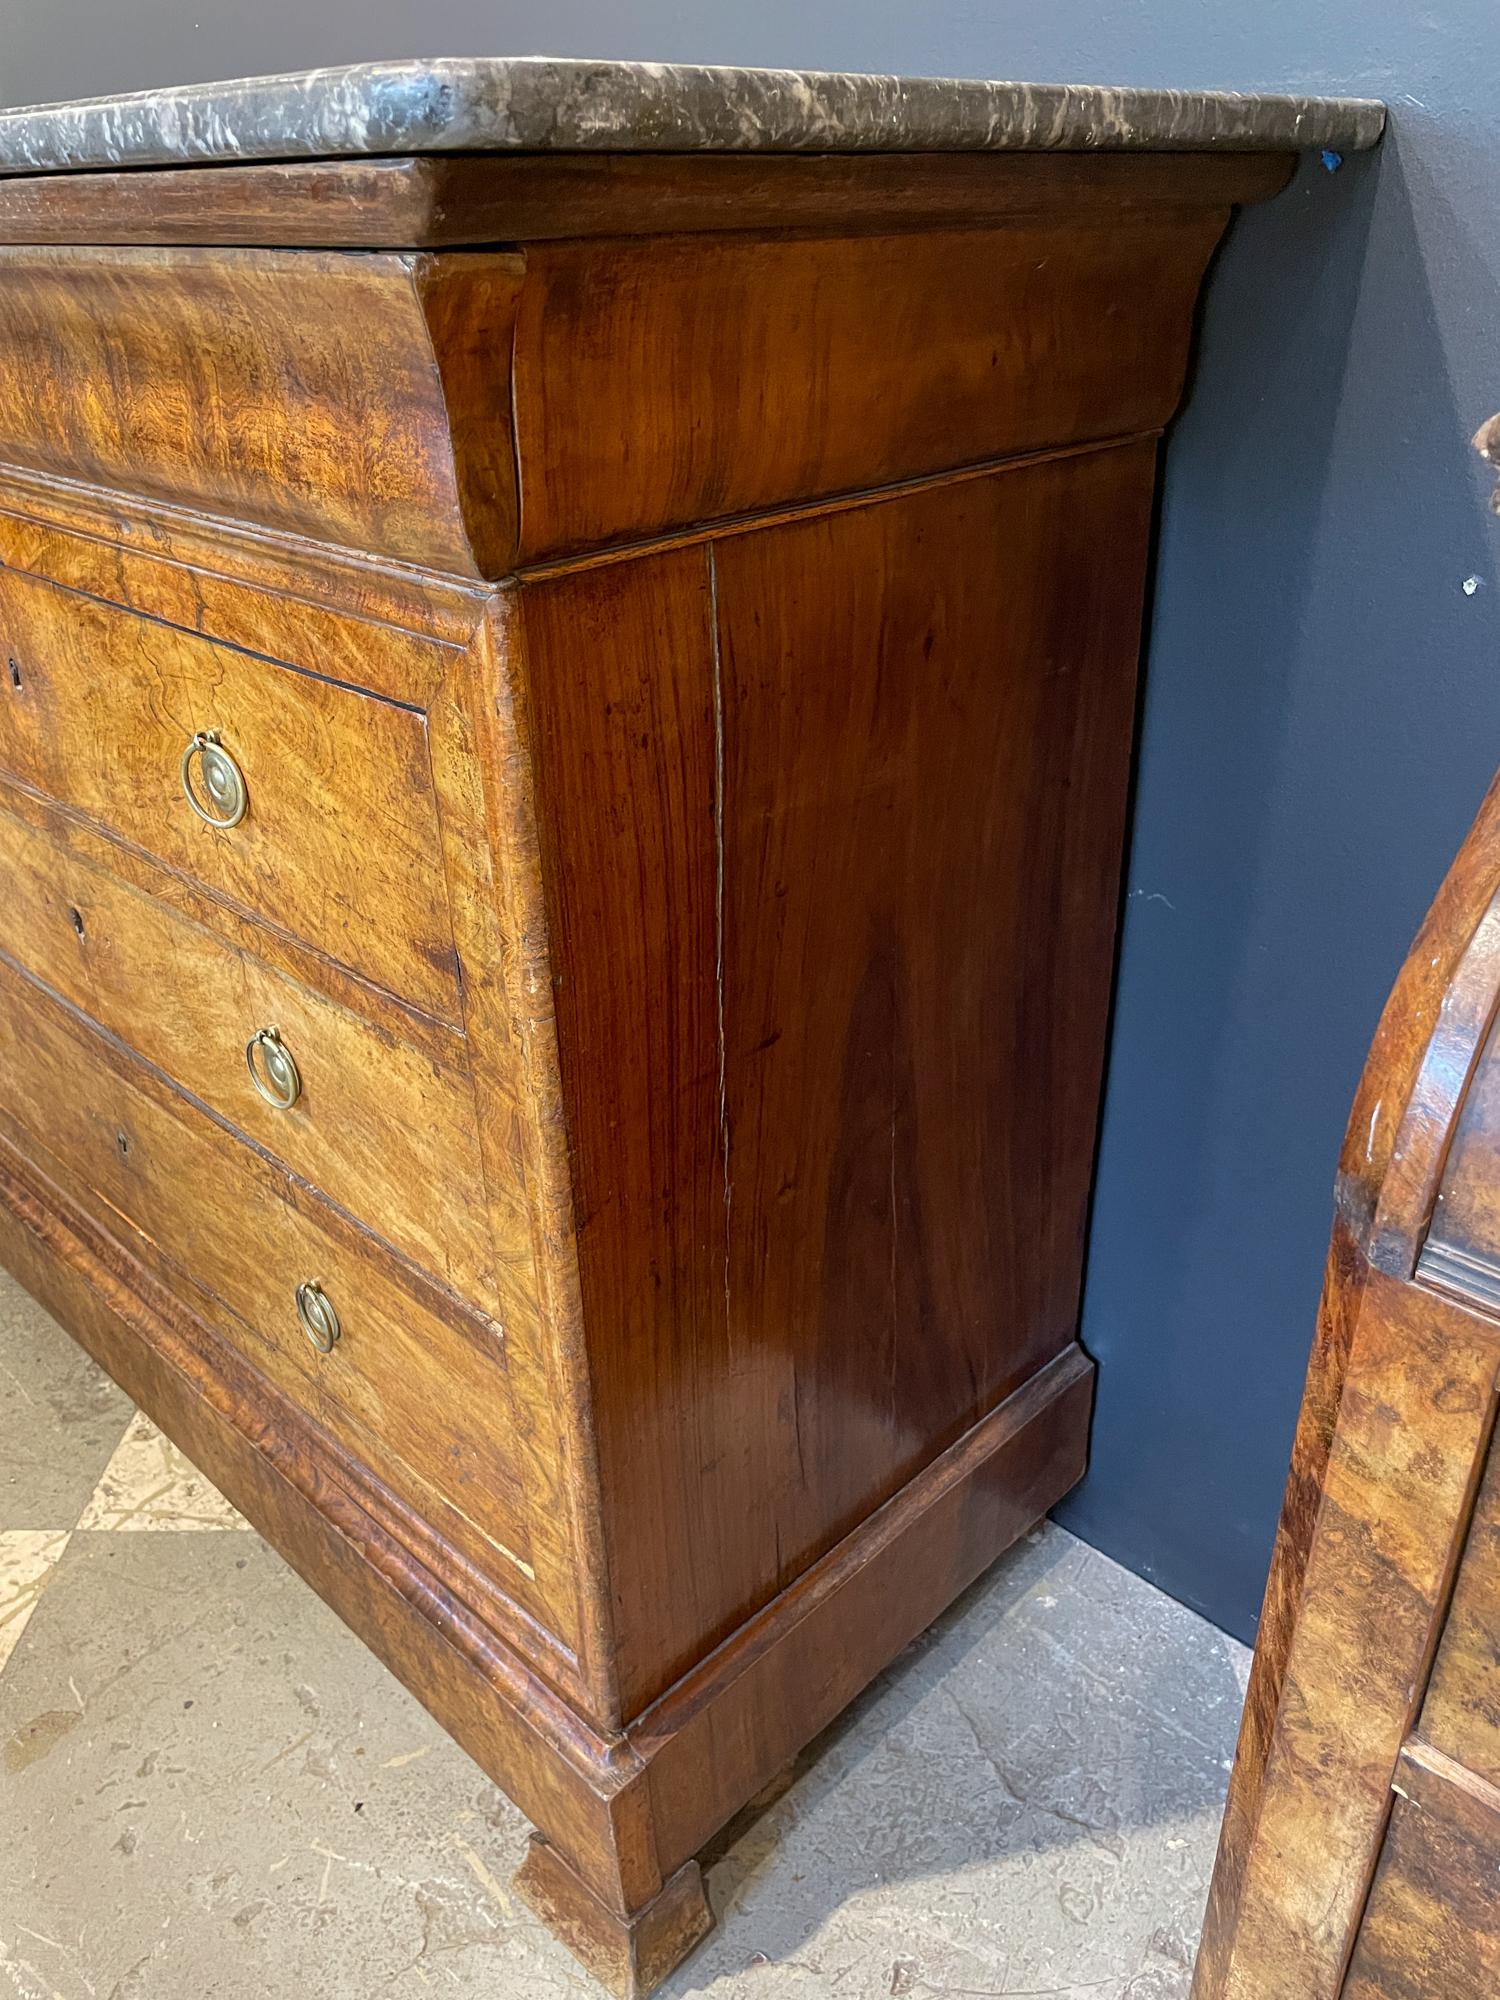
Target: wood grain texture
(729,1727)
(1463,1239)
(1433,1928)
(375,1119)
(448,201)
(309,1503)
(1461,1714)
(753,367)
(369,624)
(629,1953)
(647,652)
(440,1042)
(1338,1315)
(1435,1782)
(1402,1045)
(340,845)
(296,392)
(1391,1446)
(419,1388)
(365,402)
(589,1792)
(833,1140)
(1418,1406)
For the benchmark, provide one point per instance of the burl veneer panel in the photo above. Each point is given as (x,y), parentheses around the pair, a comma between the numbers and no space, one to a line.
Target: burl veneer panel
(1360,1846)
(1461,1714)
(1432,1931)
(831,817)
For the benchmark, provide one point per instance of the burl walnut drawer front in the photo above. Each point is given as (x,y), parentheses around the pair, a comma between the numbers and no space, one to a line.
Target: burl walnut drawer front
(1461,1712)
(1432,1927)
(422,1399)
(329,821)
(355,1110)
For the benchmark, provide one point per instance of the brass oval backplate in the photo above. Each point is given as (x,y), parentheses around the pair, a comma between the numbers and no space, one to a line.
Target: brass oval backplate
(319,1320)
(273,1068)
(212,783)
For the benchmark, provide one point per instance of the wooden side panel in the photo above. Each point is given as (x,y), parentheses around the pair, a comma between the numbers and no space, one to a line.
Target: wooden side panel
(728,1730)
(295,391)
(694,378)
(1461,1715)
(1338,1315)
(1432,1931)
(831,815)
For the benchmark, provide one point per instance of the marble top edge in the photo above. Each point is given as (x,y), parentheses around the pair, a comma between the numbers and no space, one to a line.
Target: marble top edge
(552,104)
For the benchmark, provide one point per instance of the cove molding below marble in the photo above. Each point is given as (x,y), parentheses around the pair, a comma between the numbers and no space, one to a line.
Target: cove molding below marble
(547,104)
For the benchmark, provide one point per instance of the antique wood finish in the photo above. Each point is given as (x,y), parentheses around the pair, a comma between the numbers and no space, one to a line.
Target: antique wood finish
(1461,1714)
(1377,1673)
(1433,1925)
(375,1117)
(340,842)
(683,668)
(817,750)
(456,201)
(297,391)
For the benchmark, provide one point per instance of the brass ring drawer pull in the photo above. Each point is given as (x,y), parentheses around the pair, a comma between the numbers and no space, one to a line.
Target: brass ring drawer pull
(223,800)
(319,1320)
(273,1068)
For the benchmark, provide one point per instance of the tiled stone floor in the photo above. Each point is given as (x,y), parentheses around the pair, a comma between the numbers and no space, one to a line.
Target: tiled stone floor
(210,1791)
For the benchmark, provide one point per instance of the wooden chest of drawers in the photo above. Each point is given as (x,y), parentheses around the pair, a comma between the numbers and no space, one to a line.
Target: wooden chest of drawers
(562,808)
(1360,1856)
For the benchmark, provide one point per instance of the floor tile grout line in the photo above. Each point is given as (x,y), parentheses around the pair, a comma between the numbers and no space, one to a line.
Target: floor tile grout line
(14,1622)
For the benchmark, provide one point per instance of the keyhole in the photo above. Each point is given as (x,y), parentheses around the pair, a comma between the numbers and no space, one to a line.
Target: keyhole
(123,1143)
(77,920)
(15,673)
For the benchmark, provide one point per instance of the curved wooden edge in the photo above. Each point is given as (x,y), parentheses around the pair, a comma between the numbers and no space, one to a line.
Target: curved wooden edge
(1391,1091)
(1487,443)
(1429,1037)
(1420,1065)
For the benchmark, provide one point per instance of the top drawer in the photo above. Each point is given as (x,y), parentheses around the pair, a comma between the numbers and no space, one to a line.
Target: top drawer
(339,841)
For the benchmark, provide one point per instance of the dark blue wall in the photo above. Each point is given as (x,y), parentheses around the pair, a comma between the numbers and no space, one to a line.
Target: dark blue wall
(1323,704)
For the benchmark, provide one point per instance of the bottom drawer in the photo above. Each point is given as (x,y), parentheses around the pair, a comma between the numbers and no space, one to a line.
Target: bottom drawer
(419,1395)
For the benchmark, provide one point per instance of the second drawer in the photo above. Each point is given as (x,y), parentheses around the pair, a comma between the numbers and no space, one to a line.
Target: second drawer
(388,1133)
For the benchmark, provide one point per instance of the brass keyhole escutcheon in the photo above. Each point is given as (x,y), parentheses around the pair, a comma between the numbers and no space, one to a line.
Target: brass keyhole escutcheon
(319,1320)
(273,1068)
(212,783)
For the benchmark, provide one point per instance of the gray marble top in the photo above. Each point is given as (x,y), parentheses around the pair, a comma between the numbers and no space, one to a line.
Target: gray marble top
(546,104)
